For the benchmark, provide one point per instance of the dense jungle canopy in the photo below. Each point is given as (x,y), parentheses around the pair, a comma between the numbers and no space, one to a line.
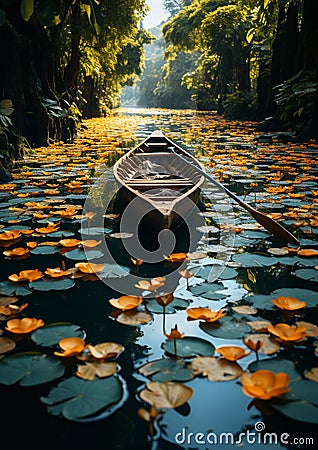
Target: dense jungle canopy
(64,60)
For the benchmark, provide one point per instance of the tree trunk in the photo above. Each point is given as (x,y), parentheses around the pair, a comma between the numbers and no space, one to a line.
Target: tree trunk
(309,36)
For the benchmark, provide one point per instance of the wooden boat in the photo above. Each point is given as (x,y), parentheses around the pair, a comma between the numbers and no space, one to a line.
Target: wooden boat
(164,189)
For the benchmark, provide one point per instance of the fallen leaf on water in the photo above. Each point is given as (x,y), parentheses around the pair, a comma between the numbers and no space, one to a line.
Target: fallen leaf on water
(89,371)
(215,369)
(166,395)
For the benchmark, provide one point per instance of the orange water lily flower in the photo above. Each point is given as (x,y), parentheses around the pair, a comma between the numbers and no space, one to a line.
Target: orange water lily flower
(288,333)
(232,353)
(175,333)
(152,285)
(136,262)
(88,267)
(69,242)
(26,232)
(19,251)
(126,302)
(186,274)
(264,384)
(26,275)
(24,326)
(31,244)
(89,215)
(175,257)
(307,252)
(56,272)
(253,344)
(289,303)
(6,187)
(205,314)
(71,347)
(90,243)
(12,310)
(47,230)
(10,235)
(164,299)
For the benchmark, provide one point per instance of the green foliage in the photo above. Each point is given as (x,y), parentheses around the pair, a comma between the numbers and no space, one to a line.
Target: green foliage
(295,99)
(240,104)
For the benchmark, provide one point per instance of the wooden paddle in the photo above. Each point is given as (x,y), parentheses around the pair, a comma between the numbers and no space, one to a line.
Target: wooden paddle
(267,222)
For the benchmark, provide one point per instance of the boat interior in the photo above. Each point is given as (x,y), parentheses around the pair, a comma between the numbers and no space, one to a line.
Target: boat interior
(153,168)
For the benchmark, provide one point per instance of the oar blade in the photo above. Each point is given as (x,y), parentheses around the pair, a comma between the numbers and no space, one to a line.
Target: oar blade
(274,227)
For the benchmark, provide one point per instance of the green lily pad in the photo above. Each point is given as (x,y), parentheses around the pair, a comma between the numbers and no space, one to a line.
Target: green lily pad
(208,290)
(51,334)
(177,303)
(304,390)
(61,234)
(77,399)
(226,328)
(30,369)
(261,301)
(78,254)
(9,288)
(44,250)
(204,272)
(250,234)
(254,260)
(298,410)
(188,347)
(307,274)
(47,284)
(309,262)
(166,369)
(276,365)
(304,295)
(114,271)
(94,231)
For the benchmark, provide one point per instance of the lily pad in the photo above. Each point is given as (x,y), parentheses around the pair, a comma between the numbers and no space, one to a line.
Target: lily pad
(47,284)
(76,399)
(208,290)
(188,347)
(8,288)
(177,303)
(51,334)
(114,271)
(276,365)
(78,254)
(261,301)
(304,390)
(254,260)
(30,369)
(94,231)
(166,369)
(298,410)
(307,274)
(226,328)
(204,272)
(61,234)
(44,250)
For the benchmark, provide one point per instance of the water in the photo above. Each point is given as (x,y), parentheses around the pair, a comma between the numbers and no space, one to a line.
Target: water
(233,152)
